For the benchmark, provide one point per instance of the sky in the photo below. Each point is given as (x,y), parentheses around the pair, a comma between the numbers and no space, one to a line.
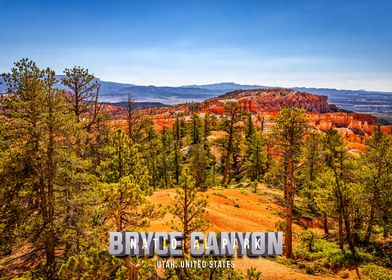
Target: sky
(331,44)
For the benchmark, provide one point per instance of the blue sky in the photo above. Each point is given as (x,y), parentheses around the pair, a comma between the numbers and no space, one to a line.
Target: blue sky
(339,44)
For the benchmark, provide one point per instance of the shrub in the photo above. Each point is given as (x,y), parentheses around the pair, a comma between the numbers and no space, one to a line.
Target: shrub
(376,272)
(253,274)
(320,248)
(308,239)
(347,258)
(312,247)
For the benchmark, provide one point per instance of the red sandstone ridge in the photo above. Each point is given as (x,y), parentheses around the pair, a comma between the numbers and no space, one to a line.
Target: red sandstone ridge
(272,100)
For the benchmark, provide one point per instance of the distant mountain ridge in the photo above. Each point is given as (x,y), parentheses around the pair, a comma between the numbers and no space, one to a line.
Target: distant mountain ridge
(354,100)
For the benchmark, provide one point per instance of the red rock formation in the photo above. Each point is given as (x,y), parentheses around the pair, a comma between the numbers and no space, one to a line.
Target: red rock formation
(269,100)
(264,104)
(358,123)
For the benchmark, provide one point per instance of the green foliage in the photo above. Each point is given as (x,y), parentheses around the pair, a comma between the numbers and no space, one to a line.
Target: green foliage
(308,239)
(41,155)
(328,254)
(312,167)
(189,210)
(93,264)
(256,158)
(229,144)
(252,274)
(126,205)
(289,130)
(198,163)
(164,165)
(195,129)
(376,272)
(376,175)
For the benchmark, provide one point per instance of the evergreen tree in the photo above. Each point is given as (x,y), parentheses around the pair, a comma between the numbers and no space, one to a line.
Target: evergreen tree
(289,129)
(312,159)
(177,152)
(206,131)
(125,205)
(198,164)
(189,210)
(250,129)
(256,156)
(151,148)
(36,113)
(195,129)
(227,143)
(82,97)
(338,161)
(164,166)
(133,117)
(376,174)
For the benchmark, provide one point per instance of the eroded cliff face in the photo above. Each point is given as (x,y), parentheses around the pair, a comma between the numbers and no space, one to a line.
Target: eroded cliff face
(270,100)
(358,123)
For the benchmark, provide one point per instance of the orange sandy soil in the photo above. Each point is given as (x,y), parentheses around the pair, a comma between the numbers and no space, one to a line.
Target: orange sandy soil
(256,212)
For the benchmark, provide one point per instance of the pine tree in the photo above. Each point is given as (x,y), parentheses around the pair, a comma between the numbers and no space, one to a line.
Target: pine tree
(198,163)
(227,143)
(178,157)
(152,148)
(164,165)
(195,129)
(312,166)
(125,205)
(256,157)
(38,117)
(376,175)
(289,130)
(338,161)
(189,210)
(250,129)
(82,97)
(117,153)
(133,117)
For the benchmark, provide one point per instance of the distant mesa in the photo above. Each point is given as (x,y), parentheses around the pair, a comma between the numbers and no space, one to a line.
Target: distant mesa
(272,100)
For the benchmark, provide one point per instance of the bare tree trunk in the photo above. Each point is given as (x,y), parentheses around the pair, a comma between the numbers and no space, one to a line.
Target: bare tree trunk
(348,231)
(325,223)
(132,269)
(340,221)
(385,227)
(227,167)
(186,221)
(289,211)
(50,238)
(133,117)
(370,225)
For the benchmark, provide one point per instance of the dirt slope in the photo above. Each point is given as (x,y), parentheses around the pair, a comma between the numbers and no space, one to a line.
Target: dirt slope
(240,210)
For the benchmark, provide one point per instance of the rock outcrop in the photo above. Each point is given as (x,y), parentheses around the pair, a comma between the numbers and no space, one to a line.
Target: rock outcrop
(270,100)
(358,123)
